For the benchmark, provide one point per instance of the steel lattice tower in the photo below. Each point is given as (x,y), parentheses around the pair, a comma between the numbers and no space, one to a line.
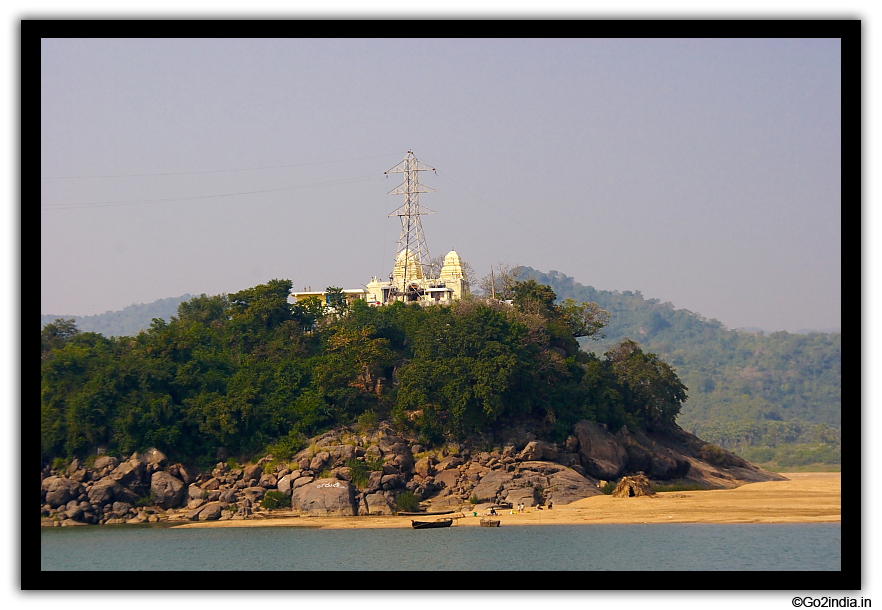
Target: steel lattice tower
(412,241)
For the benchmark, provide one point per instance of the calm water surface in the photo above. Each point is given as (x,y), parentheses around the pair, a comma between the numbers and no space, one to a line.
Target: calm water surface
(558,547)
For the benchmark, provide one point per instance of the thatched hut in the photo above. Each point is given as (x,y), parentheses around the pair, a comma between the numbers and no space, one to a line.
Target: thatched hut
(630,487)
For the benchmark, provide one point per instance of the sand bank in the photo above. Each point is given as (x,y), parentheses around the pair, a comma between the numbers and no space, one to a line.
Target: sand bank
(803,498)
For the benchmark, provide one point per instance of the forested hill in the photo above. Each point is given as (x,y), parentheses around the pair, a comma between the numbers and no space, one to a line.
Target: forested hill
(126,322)
(739,383)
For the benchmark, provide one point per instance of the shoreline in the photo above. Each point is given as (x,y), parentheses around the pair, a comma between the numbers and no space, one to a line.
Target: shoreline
(802,498)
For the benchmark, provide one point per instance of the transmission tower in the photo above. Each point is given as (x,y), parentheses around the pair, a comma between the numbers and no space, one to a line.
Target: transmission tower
(412,241)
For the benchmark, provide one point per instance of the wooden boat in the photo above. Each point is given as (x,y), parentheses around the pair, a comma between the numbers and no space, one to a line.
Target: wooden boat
(420,514)
(424,525)
(490,522)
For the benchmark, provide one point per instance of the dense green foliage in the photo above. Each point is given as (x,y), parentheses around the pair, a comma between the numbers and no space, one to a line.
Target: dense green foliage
(251,372)
(276,499)
(744,387)
(129,321)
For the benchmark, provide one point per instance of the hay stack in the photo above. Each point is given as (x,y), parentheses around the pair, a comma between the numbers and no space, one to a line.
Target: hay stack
(629,487)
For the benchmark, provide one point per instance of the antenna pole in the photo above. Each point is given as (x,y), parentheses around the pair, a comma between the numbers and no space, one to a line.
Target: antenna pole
(412,240)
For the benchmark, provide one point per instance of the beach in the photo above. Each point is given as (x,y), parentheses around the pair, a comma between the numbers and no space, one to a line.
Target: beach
(802,498)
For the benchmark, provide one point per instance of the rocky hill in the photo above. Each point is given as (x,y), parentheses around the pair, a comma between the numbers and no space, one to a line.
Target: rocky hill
(345,472)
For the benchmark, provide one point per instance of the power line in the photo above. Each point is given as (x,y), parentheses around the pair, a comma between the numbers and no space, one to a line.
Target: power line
(544,239)
(217,171)
(100,204)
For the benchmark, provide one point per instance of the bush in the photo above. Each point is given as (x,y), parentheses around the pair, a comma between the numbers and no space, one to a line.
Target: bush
(609,488)
(232,463)
(359,472)
(285,448)
(473,499)
(407,502)
(374,463)
(148,500)
(367,421)
(275,499)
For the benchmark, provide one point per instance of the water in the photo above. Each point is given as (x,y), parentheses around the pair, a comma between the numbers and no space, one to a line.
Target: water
(556,547)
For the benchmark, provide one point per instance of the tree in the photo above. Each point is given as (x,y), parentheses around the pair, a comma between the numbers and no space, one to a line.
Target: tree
(55,335)
(338,302)
(584,319)
(500,281)
(650,390)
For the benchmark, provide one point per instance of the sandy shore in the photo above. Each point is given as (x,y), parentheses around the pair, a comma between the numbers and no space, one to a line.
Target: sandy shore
(803,498)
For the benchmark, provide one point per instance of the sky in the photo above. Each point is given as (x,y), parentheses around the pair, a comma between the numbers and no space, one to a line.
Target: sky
(706,173)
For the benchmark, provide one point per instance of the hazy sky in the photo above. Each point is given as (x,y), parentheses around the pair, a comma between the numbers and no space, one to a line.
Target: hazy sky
(702,172)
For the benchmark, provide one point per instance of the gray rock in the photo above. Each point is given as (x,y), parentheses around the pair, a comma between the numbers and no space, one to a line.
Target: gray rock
(154,456)
(211,484)
(491,484)
(212,511)
(121,508)
(301,481)
(268,480)
(195,492)
(603,457)
(285,484)
(169,490)
(194,504)
(378,504)
(567,486)
(129,474)
(252,472)
(61,491)
(447,478)
(391,481)
(539,450)
(318,462)
(106,461)
(521,495)
(228,495)
(375,480)
(424,467)
(325,498)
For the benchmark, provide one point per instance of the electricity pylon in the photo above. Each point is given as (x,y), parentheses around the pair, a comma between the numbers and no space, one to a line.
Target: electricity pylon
(412,241)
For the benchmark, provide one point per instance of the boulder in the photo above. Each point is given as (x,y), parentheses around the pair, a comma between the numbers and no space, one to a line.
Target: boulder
(391,481)
(169,490)
(375,480)
(317,463)
(423,467)
(154,456)
(229,495)
(211,484)
(378,504)
(268,481)
(490,485)
(448,478)
(521,495)
(181,472)
(252,472)
(567,486)
(603,457)
(106,461)
(129,474)
(639,458)
(539,450)
(195,492)
(61,491)
(325,498)
(665,465)
(104,491)
(285,484)
(212,511)
(301,481)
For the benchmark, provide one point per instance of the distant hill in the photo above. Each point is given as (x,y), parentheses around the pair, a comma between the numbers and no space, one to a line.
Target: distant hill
(129,321)
(741,384)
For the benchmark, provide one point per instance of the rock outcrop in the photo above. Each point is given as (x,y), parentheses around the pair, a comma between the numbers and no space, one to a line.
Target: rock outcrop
(344,473)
